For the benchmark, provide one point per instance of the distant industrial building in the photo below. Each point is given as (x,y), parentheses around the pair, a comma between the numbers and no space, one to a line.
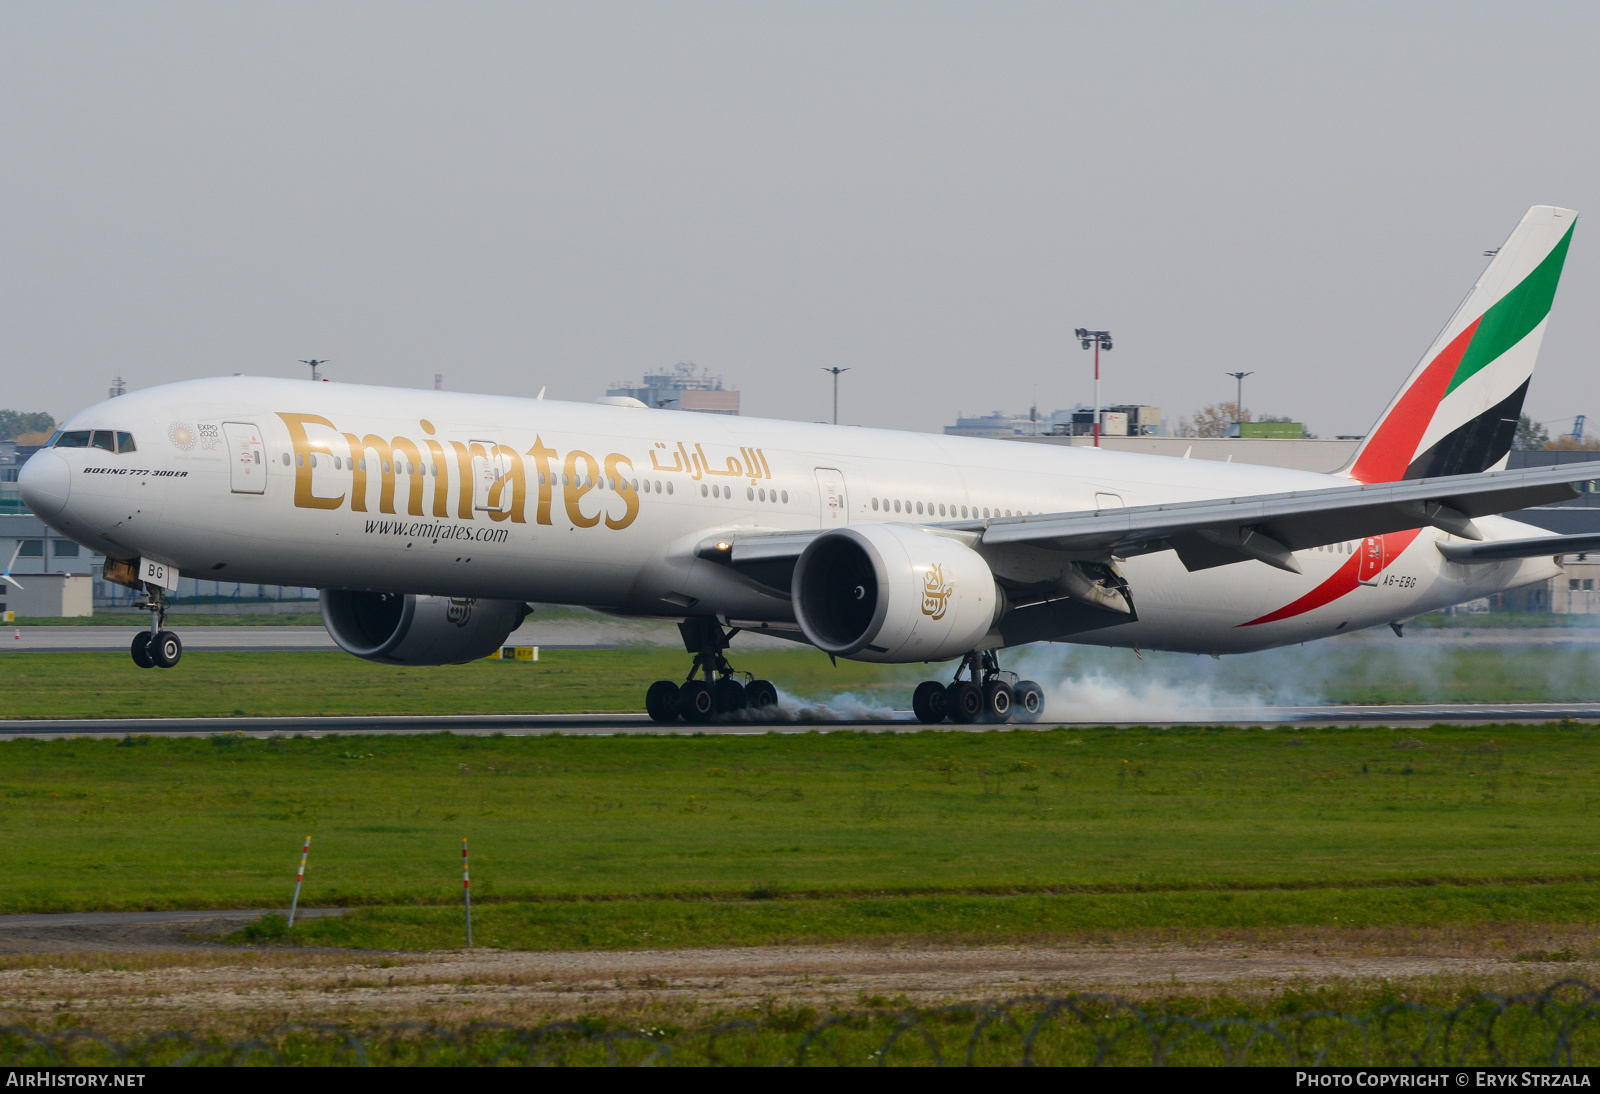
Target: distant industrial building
(13,454)
(1122,420)
(60,578)
(1271,431)
(681,389)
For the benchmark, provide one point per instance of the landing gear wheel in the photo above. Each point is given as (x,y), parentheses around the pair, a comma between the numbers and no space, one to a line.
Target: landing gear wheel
(696,701)
(1027,701)
(760,694)
(166,649)
(964,702)
(141,651)
(997,701)
(661,701)
(730,695)
(928,702)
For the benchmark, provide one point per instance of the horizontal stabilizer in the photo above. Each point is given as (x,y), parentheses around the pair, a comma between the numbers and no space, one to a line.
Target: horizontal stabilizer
(1532,547)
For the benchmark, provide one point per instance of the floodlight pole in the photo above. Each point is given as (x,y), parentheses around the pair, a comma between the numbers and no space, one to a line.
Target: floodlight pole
(835,370)
(315,375)
(1097,340)
(1238,400)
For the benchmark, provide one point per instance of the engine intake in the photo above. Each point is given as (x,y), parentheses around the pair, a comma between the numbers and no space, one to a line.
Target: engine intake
(887,592)
(405,629)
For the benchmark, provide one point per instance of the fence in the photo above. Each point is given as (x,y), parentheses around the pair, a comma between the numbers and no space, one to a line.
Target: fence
(1553,1027)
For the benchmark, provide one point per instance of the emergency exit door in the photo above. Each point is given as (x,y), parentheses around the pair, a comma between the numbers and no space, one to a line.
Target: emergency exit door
(247,453)
(1372,559)
(832,497)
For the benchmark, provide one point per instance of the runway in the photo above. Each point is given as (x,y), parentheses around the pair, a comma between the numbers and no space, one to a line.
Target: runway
(892,721)
(603,634)
(561,634)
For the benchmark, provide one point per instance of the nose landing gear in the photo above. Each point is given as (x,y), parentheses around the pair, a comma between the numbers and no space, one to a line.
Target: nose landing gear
(718,691)
(156,647)
(984,696)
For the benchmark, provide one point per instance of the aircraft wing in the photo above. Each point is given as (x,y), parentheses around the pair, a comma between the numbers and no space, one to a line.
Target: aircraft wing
(1221,531)
(1268,527)
(1532,547)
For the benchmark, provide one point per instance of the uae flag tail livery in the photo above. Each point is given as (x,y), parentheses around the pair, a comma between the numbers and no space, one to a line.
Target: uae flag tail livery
(1457,412)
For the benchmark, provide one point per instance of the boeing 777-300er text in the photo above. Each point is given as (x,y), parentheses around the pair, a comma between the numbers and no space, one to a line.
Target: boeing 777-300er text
(430,520)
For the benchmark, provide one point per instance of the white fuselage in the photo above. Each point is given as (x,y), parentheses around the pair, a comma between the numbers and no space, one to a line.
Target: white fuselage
(515,499)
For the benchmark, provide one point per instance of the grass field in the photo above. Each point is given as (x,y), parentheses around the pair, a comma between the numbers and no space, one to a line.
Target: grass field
(1437,1025)
(616,841)
(1100,684)
(212,683)
(770,919)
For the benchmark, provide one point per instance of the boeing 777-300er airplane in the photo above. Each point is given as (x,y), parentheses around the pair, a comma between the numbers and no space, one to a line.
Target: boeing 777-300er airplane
(430,520)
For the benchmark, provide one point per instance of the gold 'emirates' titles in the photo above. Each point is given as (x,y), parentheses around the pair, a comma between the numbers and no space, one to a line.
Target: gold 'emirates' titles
(498,468)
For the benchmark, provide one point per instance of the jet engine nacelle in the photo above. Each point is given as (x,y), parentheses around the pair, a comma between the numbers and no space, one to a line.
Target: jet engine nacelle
(888,592)
(403,629)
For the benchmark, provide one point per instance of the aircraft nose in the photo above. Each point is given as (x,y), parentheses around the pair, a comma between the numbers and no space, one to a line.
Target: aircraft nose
(44,483)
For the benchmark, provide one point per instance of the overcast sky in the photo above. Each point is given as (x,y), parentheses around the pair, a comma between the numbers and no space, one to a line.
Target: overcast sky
(933,195)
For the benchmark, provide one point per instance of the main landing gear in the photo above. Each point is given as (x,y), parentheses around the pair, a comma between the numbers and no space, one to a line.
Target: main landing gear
(983,697)
(718,691)
(156,647)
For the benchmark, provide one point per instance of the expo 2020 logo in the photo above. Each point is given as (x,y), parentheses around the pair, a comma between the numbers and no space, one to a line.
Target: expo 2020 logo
(181,436)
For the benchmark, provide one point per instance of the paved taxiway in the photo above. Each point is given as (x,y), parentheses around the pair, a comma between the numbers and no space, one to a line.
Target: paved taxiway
(898,721)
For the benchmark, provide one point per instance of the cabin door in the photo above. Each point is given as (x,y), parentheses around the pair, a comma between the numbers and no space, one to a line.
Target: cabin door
(247,456)
(490,465)
(832,497)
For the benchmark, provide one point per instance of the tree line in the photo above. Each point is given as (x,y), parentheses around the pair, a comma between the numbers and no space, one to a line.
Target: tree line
(16,423)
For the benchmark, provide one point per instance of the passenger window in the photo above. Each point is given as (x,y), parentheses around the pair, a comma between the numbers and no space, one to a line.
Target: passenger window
(78,438)
(125,443)
(104,439)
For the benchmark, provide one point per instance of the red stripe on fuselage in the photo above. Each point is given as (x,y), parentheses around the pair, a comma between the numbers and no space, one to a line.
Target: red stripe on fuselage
(1394,443)
(1345,579)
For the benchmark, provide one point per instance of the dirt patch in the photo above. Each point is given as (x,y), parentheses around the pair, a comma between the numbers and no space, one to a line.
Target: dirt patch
(228,990)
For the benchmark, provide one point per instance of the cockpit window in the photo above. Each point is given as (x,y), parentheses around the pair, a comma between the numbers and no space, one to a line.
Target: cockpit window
(54,437)
(104,438)
(76,438)
(125,443)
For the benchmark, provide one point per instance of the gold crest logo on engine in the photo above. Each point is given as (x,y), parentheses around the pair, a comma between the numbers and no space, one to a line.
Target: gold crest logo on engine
(459,610)
(935,593)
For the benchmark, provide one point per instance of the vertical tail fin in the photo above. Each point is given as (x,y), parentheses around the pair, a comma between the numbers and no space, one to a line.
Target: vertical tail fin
(1457,412)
